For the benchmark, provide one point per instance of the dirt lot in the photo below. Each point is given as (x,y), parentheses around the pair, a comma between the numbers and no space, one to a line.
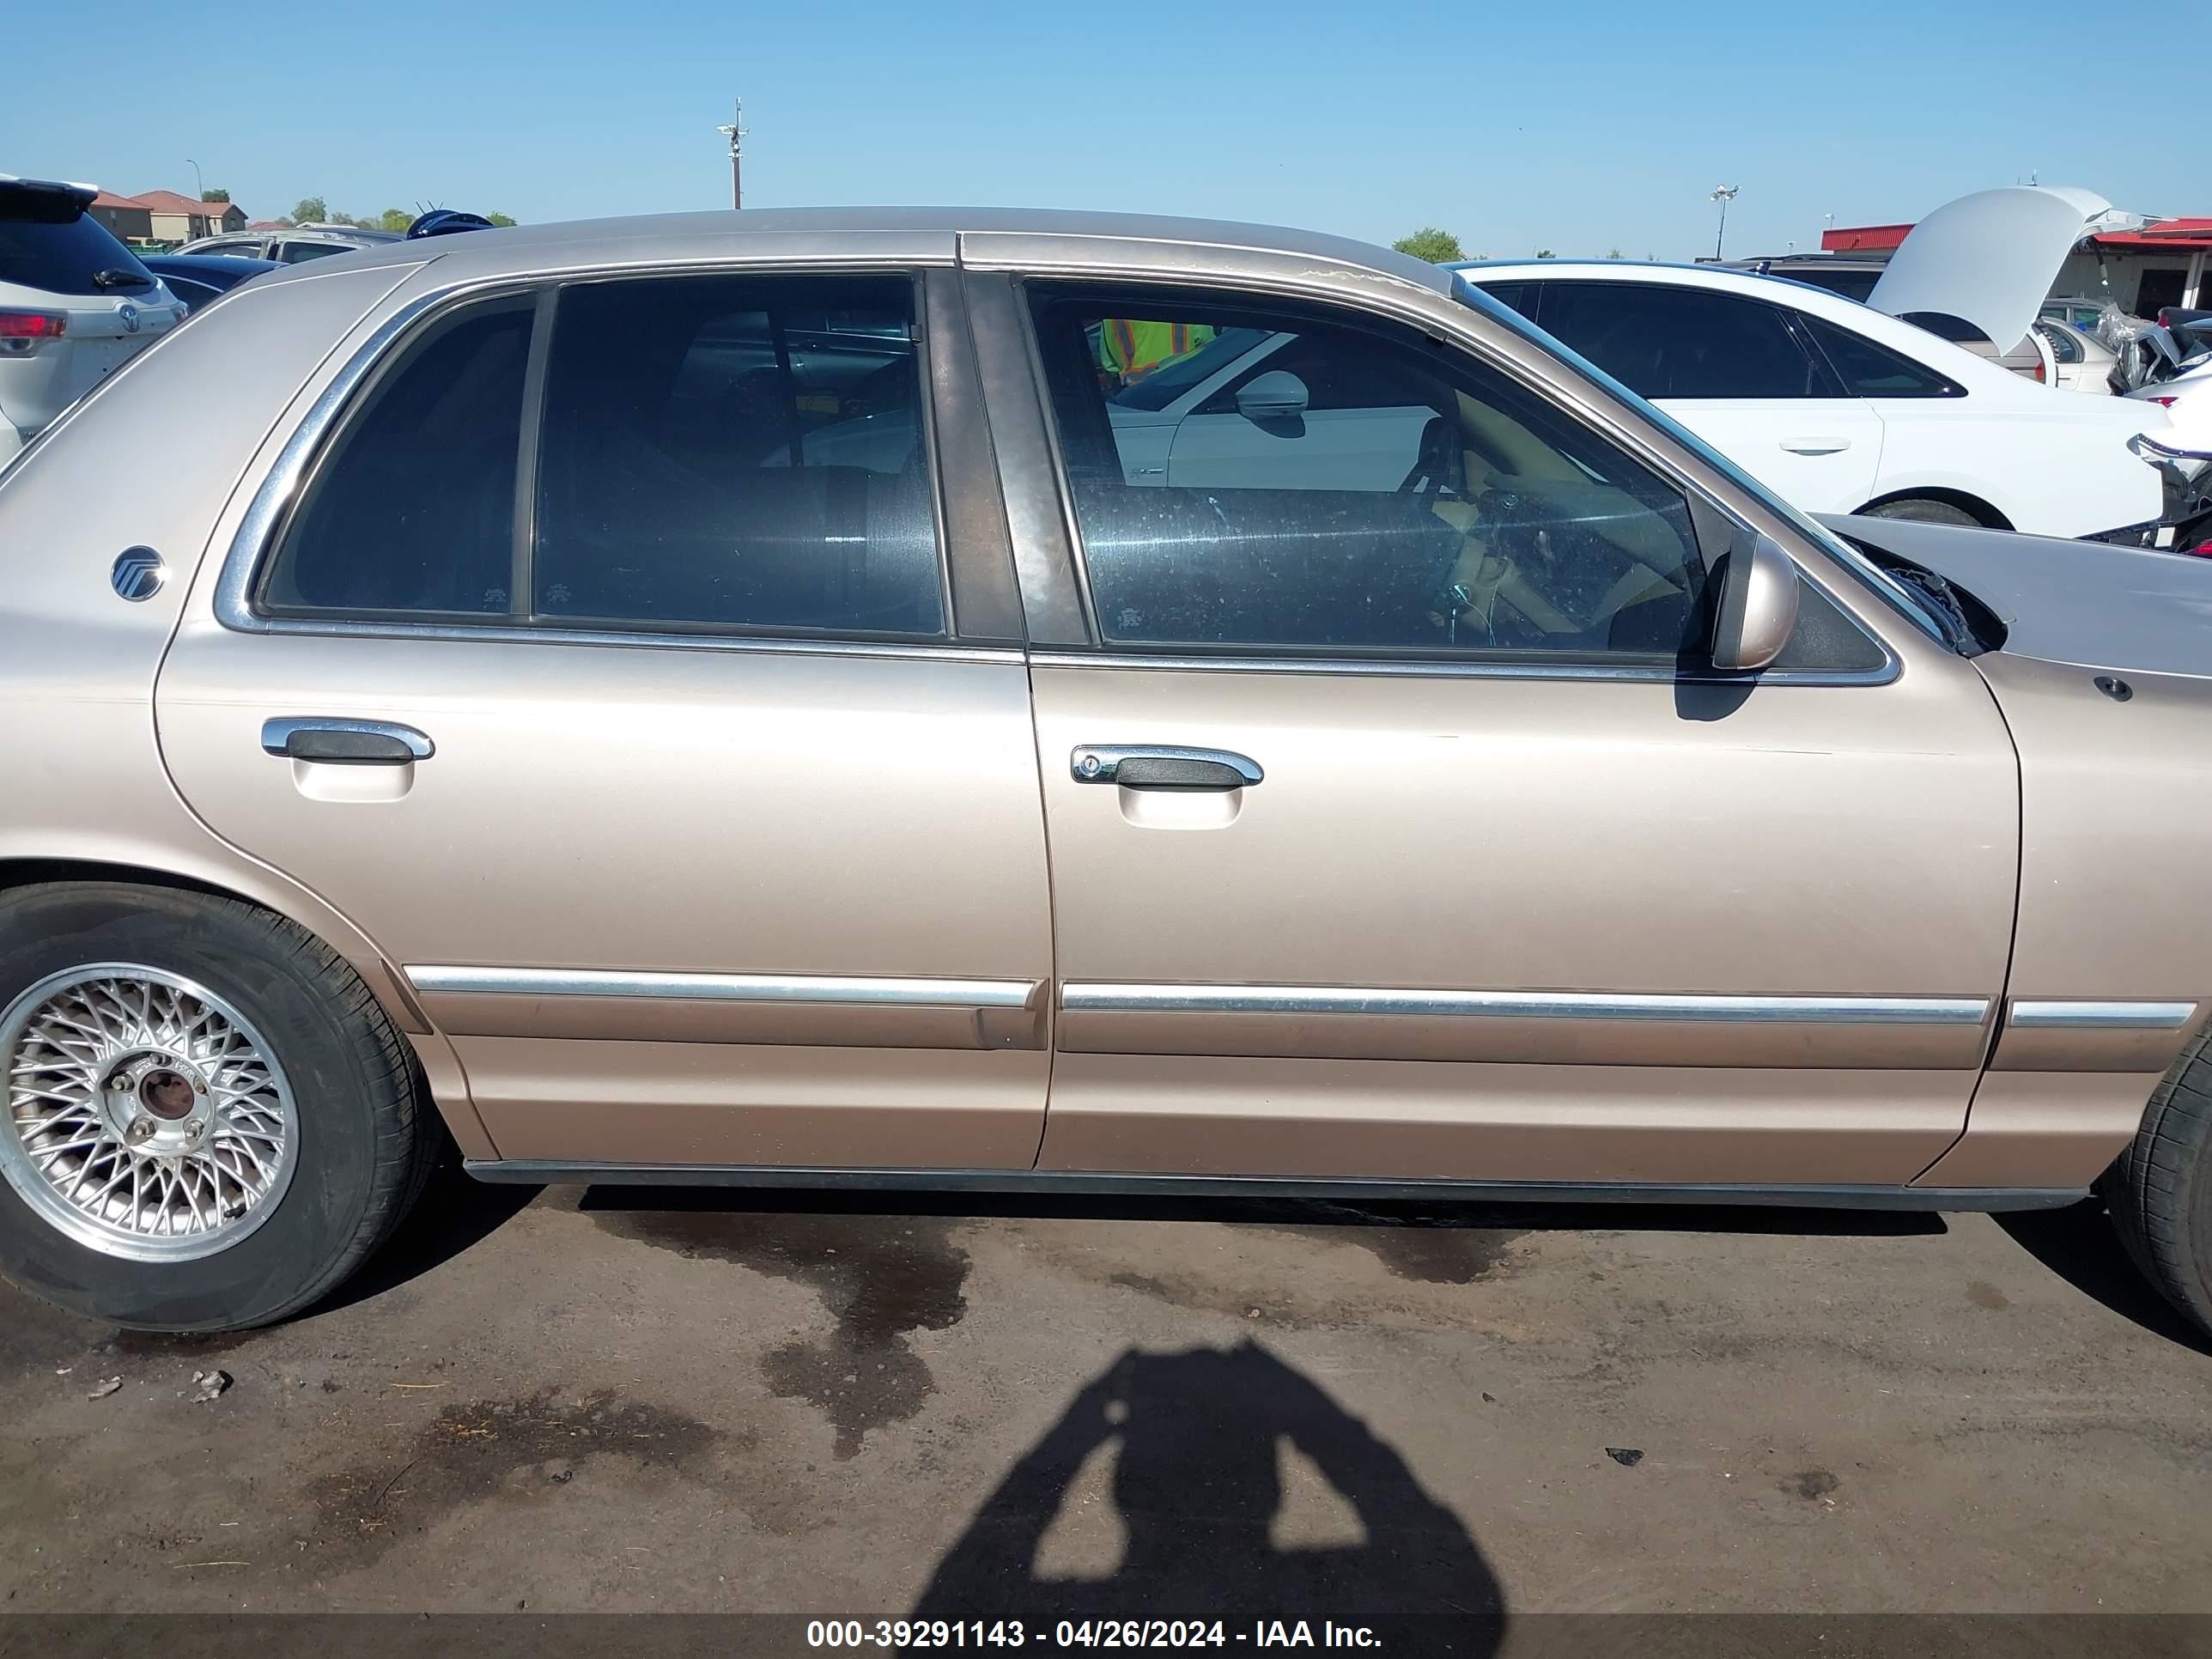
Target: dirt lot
(564,1401)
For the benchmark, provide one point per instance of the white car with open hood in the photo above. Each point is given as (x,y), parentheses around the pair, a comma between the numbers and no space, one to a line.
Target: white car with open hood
(1846,408)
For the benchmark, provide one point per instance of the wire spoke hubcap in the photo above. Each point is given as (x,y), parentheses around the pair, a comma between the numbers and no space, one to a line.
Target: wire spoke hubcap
(146,1117)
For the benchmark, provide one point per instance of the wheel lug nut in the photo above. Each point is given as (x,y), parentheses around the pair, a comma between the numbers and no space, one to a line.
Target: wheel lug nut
(141,1129)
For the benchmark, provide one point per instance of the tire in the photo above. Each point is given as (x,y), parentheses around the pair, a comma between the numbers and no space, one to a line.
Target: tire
(1923,509)
(245,1047)
(2160,1192)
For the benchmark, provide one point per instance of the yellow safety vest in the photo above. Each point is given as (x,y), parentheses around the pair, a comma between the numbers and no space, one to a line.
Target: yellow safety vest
(1132,348)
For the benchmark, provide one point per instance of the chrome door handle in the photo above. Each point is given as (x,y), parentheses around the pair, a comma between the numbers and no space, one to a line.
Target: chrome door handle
(1162,766)
(345,742)
(1815,445)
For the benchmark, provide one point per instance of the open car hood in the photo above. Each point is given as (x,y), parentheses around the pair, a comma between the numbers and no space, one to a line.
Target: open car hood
(2091,602)
(1990,257)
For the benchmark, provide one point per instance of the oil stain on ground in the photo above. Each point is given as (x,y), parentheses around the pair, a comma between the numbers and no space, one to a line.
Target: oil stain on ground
(470,1453)
(1424,1252)
(880,1277)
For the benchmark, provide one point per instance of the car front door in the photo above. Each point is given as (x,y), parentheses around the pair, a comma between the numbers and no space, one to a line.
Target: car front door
(1736,371)
(606,681)
(1395,833)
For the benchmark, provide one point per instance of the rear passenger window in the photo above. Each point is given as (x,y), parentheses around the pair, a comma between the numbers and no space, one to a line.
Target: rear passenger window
(1874,371)
(1663,342)
(413,512)
(738,452)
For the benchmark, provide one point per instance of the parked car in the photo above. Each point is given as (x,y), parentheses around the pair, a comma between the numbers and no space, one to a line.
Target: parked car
(536,740)
(1839,407)
(2080,315)
(1838,273)
(293,244)
(2080,362)
(75,304)
(200,279)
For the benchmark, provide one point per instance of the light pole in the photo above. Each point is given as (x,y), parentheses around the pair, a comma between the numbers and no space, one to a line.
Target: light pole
(199,184)
(1723,194)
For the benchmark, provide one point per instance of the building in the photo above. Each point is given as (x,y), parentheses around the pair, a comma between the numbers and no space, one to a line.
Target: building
(2163,264)
(130,221)
(182,219)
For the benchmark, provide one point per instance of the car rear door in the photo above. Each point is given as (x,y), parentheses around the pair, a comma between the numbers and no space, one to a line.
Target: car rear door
(1391,837)
(1736,371)
(674,742)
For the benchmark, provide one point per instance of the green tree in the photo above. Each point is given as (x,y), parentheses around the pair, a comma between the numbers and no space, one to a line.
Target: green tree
(499,219)
(1432,244)
(218,194)
(1616,254)
(394,219)
(310,209)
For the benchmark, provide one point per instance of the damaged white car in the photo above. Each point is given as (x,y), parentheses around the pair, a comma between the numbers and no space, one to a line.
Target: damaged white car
(1849,408)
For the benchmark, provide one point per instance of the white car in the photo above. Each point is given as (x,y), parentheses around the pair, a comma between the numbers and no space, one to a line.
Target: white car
(1840,408)
(2080,362)
(75,304)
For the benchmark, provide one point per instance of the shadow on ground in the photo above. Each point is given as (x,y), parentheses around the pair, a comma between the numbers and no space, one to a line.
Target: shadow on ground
(2080,1244)
(1198,1492)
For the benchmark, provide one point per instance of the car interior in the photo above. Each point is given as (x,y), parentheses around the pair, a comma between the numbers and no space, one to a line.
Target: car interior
(1504,529)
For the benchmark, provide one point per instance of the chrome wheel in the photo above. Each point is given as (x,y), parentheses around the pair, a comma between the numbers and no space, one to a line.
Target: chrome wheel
(146,1117)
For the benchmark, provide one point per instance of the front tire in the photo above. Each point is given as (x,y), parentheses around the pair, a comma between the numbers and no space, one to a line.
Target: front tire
(2160,1192)
(210,1121)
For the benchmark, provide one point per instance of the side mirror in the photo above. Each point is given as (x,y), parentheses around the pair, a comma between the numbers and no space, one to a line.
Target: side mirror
(1278,395)
(1757,607)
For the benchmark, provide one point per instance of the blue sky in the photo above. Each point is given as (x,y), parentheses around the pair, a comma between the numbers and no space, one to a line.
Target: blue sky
(1580,127)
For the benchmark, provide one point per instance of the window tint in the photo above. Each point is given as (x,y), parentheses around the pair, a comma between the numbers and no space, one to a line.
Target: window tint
(1521,296)
(1874,371)
(293,253)
(1684,342)
(737,451)
(1343,488)
(40,248)
(414,511)
(2065,345)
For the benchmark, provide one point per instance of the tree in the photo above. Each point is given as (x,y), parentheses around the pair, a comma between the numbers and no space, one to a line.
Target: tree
(394,219)
(218,194)
(1546,254)
(1430,244)
(311,209)
(499,219)
(1615,253)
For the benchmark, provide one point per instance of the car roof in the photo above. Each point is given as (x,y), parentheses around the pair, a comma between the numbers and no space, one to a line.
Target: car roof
(652,237)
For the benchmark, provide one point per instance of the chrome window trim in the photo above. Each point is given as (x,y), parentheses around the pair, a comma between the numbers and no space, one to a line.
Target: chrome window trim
(1115,998)
(274,497)
(1471,668)
(840,988)
(2090,1015)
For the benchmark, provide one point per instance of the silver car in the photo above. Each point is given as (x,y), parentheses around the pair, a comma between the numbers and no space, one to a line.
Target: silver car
(985,701)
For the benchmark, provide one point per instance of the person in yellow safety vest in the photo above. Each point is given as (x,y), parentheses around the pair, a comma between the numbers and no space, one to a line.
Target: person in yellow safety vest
(1131,348)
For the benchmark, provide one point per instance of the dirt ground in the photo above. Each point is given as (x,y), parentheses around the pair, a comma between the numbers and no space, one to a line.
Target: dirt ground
(567,1402)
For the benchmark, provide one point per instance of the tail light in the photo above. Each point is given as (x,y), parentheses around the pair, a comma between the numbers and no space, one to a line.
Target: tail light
(2037,371)
(2163,403)
(31,325)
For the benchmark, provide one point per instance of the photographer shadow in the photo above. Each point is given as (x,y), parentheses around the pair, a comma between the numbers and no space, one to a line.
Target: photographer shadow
(1197,1481)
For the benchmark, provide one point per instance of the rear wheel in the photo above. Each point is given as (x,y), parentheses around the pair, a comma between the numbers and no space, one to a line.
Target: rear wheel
(1925,509)
(2160,1193)
(210,1121)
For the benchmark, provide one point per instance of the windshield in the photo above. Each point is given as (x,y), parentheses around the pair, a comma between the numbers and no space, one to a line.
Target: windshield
(1884,586)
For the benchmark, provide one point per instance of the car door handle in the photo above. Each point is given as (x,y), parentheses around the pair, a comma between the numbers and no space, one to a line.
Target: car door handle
(1815,445)
(1162,766)
(346,742)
